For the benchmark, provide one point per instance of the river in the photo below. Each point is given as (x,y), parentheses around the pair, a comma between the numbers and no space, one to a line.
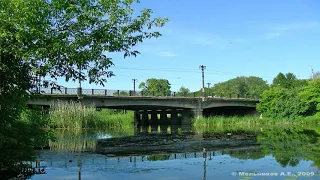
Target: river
(175,152)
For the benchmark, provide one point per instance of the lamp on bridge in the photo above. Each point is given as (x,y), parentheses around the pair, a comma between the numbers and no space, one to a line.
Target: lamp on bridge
(79,88)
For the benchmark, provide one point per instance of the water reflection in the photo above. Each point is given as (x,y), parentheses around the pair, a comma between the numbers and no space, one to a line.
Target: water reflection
(175,151)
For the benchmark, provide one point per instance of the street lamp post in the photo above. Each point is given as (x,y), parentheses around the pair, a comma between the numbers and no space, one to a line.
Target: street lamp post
(79,89)
(202,67)
(312,72)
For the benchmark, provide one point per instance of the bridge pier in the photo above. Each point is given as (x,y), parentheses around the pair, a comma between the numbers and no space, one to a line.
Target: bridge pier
(154,128)
(137,118)
(164,128)
(197,113)
(163,116)
(174,120)
(145,117)
(186,117)
(154,117)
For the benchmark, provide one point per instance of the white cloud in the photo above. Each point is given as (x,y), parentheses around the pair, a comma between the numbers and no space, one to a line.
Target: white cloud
(167,54)
(272,35)
(292,26)
(209,39)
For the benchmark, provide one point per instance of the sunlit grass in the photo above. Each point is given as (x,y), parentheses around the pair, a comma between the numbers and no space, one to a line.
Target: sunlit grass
(251,121)
(73,115)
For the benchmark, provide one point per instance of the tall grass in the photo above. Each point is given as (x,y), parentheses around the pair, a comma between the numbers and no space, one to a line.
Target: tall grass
(251,120)
(116,119)
(73,115)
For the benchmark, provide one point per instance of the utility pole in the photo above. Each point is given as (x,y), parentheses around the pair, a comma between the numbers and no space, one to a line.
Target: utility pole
(79,89)
(208,88)
(312,72)
(134,86)
(202,67)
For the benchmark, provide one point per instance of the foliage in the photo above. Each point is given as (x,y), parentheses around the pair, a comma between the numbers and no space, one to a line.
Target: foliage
(158,87)
(121,93)
(311,96)
(241,86)
(278,102)
(288,81)
(15,81)
(183,91)
(18,140)
(60,37)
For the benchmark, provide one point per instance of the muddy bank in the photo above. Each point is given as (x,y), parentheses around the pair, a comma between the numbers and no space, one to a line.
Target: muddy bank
(168,143)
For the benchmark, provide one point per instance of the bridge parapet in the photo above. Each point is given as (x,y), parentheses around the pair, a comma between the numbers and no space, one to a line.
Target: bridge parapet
(131,93)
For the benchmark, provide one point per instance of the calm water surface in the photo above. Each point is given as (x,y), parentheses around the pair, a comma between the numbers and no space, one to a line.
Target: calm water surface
(170,153)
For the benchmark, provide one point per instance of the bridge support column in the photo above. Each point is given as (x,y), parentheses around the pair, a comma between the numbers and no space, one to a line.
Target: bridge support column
(164,128)
(154,117)
(186,117)
(154,128)
(137,118)
(197,113)
(145,118)
(174,117)
(163,117)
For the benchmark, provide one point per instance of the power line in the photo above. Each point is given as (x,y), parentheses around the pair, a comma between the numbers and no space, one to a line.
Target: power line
(183,70)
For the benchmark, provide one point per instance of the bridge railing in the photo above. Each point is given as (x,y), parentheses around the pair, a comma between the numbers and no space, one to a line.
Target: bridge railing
(108,92)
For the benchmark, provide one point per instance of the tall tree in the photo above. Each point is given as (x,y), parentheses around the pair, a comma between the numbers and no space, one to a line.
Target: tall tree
(158,87)
(241,86)
(183,91)
(286,81)
(311,96)
(256,85)
(72,39)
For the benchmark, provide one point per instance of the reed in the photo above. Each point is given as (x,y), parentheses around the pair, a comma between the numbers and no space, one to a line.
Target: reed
(251,120)
(116,119)
(73,115)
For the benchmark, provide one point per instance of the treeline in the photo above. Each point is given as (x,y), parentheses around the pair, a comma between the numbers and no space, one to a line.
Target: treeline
(237,87)
(289,97)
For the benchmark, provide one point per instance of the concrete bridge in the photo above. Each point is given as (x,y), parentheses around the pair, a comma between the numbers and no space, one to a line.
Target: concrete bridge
(147,108)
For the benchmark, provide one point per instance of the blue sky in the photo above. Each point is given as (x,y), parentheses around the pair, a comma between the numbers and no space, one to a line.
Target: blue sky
(231,38)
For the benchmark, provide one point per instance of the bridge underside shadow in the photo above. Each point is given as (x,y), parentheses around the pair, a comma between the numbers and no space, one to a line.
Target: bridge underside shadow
(230,111)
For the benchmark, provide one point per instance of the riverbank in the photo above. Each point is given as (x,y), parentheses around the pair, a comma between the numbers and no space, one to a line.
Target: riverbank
(252,120)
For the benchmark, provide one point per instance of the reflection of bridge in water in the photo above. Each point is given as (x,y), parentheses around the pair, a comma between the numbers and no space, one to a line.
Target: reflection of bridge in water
(84,162)
(66,159)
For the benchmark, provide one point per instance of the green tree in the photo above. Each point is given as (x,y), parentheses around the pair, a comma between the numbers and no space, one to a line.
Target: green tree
(61,39)
(158,87)
(241,86)
(70,38)
(278,102)
(286,81)
(256,85)
(311,96)
(121,93)
(183,91)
